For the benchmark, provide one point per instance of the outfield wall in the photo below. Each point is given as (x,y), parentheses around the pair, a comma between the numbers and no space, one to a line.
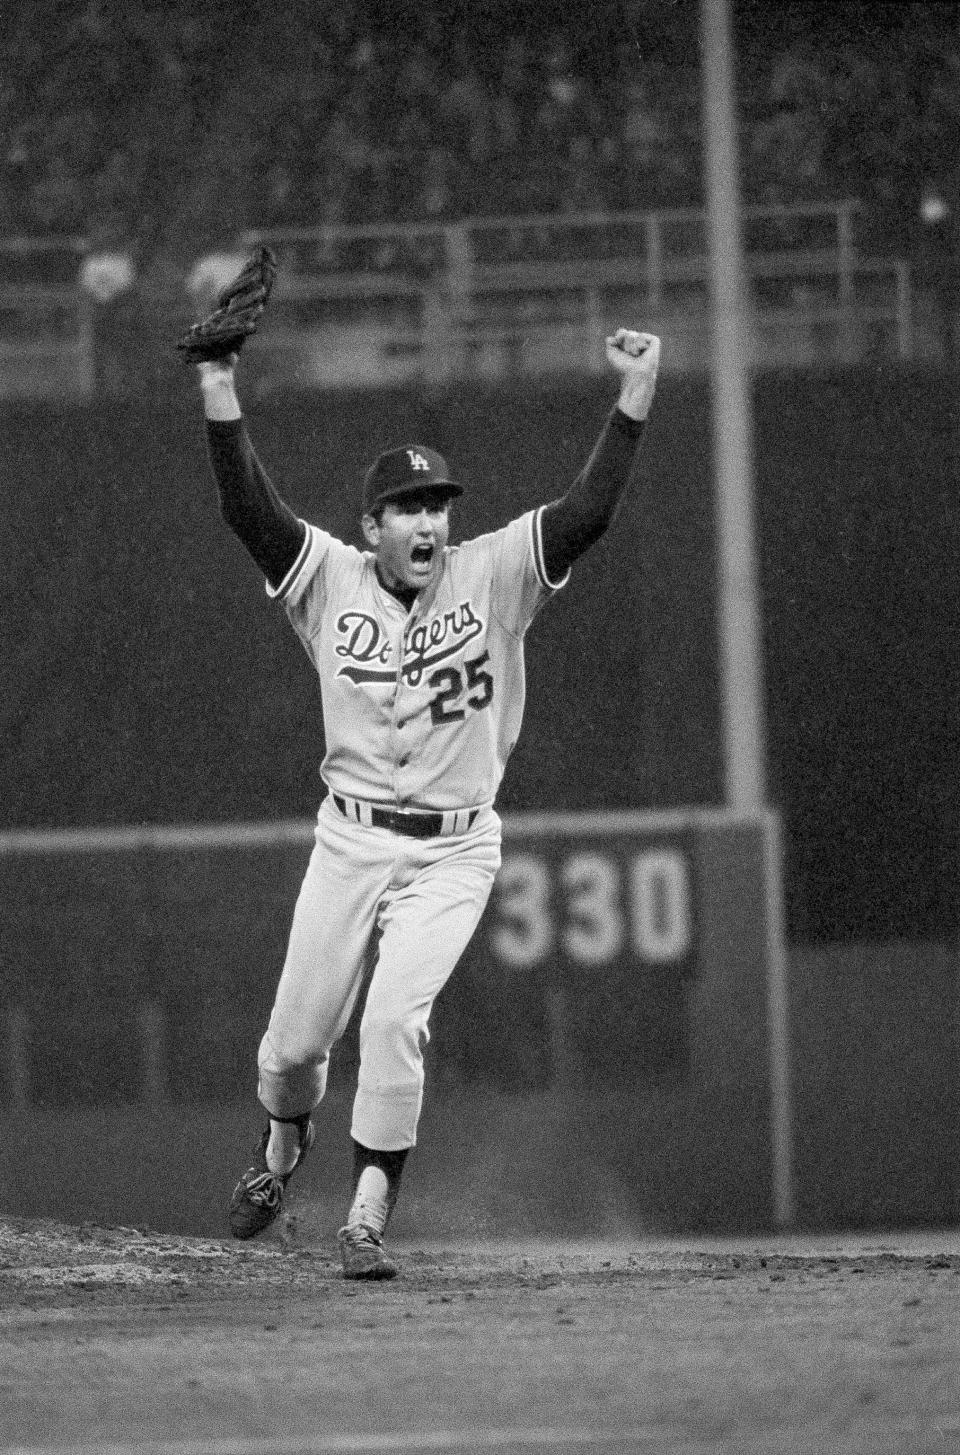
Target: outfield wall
(605,1053)
(151,681)
(875,1074)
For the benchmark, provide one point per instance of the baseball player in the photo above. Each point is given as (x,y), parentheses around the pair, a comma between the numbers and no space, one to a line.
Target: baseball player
(419,646)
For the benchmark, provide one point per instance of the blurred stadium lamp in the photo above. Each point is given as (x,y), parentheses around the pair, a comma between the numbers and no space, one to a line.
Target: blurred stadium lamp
(739,629)
(934,210)
(105,275)
(210,273)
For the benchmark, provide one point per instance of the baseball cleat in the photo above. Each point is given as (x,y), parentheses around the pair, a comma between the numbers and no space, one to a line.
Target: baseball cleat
(258,1196)
(362,1255)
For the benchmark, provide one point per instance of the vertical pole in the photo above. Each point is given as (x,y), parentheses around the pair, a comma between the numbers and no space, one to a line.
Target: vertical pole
(846,253)
(741,672)
(456,286)
(783,1195)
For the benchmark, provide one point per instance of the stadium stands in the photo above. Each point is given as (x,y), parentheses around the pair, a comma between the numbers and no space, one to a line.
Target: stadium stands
(163,135)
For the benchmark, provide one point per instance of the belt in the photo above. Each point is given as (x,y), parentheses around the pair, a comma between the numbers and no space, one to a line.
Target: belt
(402,821)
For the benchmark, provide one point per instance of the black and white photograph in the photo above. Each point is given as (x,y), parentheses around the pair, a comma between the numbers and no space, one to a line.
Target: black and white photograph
(480,773)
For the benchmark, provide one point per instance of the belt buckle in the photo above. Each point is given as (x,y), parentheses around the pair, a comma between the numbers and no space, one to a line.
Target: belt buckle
(416,825)
(402,821)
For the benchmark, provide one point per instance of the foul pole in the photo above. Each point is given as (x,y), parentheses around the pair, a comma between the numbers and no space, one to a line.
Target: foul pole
(739,626)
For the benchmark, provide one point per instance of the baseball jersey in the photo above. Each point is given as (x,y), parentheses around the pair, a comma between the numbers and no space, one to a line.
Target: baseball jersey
(421,709)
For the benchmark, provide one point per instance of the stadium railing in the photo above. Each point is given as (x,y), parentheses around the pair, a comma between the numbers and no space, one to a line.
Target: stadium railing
(46,319)
(535,295)
(497,297)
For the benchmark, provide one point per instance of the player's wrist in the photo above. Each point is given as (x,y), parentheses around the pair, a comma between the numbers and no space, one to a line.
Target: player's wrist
(218,387)
(636,397)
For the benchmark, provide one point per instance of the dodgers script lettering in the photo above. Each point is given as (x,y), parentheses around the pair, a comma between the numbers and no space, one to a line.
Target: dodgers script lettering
(426,644)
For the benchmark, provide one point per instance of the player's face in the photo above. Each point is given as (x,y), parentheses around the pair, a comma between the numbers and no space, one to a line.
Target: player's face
(409,539)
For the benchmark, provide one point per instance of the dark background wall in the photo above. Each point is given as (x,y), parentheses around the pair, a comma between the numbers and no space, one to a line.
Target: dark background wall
(147,677)
(637,1095)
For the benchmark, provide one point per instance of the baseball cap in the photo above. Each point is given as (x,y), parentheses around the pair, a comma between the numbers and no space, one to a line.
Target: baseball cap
(406,470)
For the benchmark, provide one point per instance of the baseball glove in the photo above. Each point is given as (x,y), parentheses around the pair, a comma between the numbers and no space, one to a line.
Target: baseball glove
(237,314)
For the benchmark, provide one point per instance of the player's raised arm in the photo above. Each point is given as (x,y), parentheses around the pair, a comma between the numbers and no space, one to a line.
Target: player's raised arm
(572,524)
(249,502)
(250,505)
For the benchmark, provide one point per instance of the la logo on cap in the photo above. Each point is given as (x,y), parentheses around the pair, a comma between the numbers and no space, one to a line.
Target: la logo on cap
(404,470)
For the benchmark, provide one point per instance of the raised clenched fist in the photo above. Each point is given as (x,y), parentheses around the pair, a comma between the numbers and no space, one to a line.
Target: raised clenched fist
(630,349)
(636,357)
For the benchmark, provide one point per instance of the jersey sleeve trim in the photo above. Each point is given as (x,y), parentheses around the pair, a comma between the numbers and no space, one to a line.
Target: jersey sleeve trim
(539,561)
(298,571)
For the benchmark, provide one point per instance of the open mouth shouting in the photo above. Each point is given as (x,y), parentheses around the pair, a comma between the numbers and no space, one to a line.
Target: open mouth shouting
(409,538)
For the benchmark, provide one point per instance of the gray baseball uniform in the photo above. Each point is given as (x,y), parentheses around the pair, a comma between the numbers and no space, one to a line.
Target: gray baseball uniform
(421,710)
(423,697)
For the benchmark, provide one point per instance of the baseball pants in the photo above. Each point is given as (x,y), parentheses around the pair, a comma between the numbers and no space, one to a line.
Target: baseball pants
(411,906)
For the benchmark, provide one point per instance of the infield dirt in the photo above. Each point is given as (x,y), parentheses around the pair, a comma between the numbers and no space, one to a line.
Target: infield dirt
(121,1339)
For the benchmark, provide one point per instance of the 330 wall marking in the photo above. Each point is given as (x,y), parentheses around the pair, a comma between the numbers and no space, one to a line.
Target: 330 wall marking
(592,907)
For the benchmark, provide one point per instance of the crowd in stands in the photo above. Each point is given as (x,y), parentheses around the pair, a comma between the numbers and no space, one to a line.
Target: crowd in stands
(168,129)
